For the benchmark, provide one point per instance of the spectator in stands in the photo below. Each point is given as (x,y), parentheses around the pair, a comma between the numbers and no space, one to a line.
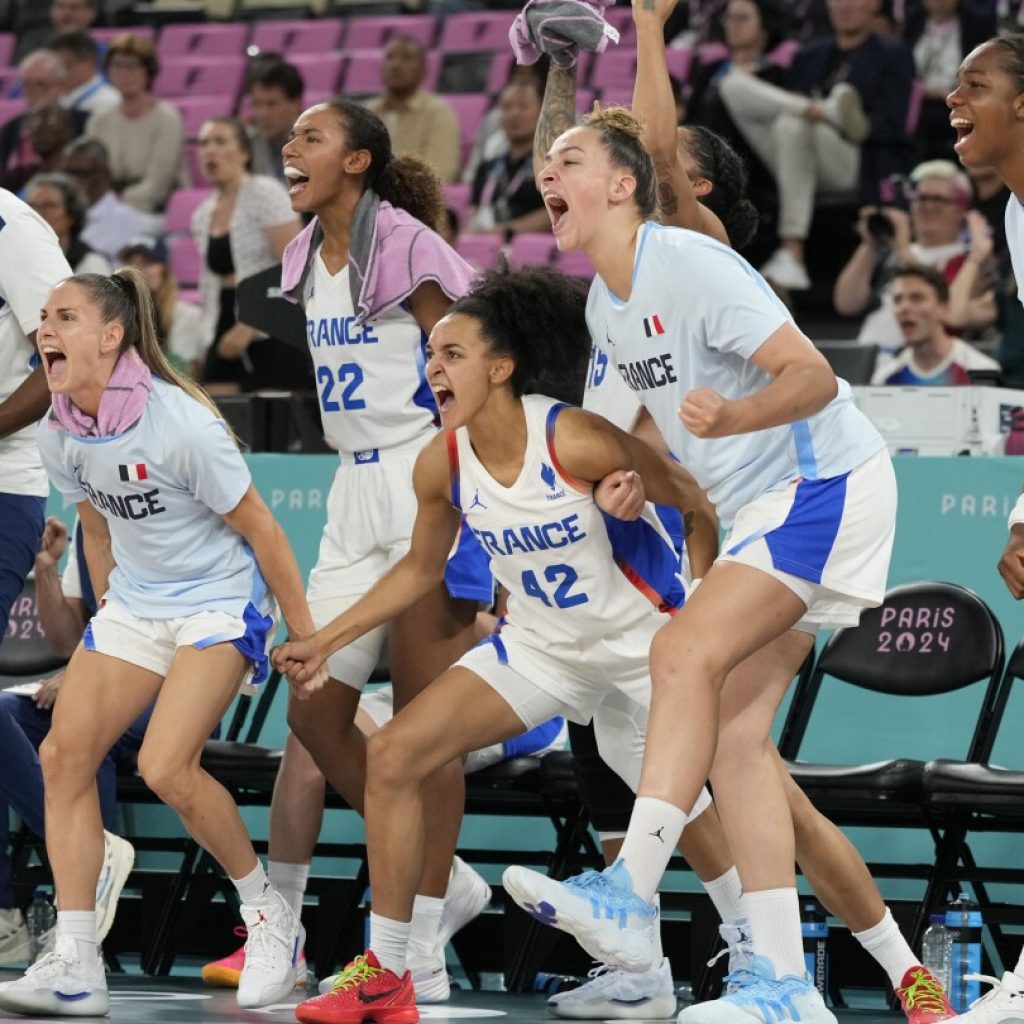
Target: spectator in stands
(180,327)
(932,356)
(144,136)
(841,125)
(42,76)
(64,605)
(275,90)
(241,229)
(48,129)
(85,88)
(65,16)
(60,201)
(940,33)
(505,197)
(419,122)
(109,223)
(930,235)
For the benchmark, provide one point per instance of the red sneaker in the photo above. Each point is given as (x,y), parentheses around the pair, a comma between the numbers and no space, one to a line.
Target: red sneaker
(363,991)
(923,998)
(224,973)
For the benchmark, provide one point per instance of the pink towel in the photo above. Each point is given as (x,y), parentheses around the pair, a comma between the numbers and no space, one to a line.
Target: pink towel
(121,405)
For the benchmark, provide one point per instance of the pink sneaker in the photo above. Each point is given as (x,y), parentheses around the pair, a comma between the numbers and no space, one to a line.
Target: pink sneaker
(225,973)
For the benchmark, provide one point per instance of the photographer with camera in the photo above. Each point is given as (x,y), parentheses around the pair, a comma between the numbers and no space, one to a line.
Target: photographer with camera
(940,231)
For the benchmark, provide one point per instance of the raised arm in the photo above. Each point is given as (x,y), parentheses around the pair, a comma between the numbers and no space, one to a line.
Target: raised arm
(411,578)
(589,447)
(557,113)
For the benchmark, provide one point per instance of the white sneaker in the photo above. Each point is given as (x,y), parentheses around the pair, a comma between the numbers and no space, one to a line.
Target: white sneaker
(272,951)
(612,994)
(429,974)
(468,893)
(1005,1001)
(118,859)
(761,998)
(59,985)
(782,269)
(15,944)
(845,110)
(739,949)
(600,909)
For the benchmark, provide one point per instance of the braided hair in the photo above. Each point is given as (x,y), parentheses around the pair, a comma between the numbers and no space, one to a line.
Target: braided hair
(718,162)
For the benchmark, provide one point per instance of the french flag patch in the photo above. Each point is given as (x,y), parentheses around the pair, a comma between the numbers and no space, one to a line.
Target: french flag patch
(136,472)
(652,326)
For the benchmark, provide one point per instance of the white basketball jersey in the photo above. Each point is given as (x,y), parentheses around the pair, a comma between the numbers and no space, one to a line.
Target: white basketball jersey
(369,377)
(573,574)
(607,394)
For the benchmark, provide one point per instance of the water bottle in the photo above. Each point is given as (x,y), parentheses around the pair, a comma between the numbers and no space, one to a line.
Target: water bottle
(935,949)
(41,919)
(963,921)
(815,931)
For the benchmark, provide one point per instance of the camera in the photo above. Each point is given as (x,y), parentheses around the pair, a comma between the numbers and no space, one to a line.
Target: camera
(892,191)
(880,228)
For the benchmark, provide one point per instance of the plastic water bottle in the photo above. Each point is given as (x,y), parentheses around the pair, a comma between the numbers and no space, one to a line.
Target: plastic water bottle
(815,931)
(41,918)
(935,949)
(963,921)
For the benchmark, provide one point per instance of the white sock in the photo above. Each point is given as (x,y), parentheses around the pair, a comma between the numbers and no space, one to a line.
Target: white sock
(885,942)
(654,829)
(81,926)
(426,922)
(290,881)
(774,916)
(725,892)
(389,941)
(253,886)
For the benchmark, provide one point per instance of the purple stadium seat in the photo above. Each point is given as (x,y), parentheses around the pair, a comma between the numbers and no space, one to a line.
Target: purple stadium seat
(497,76)
(201,76)
(9,83)
(710,53)
(476,31)
(10,108)
(480,251)
(362,75)
(195,110)
(186,263)
(470,109)
(6,48)
(192,165)
(457,195)
(104,36)
(180,207)
(617,96)
(320,71)
(622,19)
(531,250)
(584,101)
(575,264)
(219,40)
(291,38)
(784,53)
(373,32)
(679,63)
(614,67)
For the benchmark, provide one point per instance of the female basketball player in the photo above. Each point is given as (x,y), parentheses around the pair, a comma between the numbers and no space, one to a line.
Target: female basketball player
(587,592)
(789,464)
(187,556)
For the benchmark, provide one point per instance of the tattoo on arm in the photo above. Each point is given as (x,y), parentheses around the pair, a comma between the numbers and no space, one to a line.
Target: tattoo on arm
(558,112)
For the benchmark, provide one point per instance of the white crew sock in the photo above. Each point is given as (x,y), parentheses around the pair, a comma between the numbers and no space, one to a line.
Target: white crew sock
(1019,969)
(426,923)
(774,917)
(253,885)
(290,881)
(389,941)
(885,942)
(654,829)
(81,926)
(725,892)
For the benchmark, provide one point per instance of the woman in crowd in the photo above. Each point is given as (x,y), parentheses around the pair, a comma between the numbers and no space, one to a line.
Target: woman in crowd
(60,201)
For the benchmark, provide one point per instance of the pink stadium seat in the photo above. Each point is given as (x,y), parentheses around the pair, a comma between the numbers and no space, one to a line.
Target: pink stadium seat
(457,195)
(622,19)
(470,109)
(614,67)
(679,63)
(180,207)
(914,105)
(480,251)
(321,71)
(10,108)
(6,48)
(291,38)
(310,98)
(784,53)
(710,53)
(531,250)
(575,264)
(497,76)
(617,96)
(104,36)
(584,100)
(218,40)
(192,165)
(373,32)
(196,110)
(201,76)
(186,262)
(476,31)
(362,75)
(9,82)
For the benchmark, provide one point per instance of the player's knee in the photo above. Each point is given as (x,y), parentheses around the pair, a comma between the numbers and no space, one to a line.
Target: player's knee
(388,760)
(65,764)
(168,779)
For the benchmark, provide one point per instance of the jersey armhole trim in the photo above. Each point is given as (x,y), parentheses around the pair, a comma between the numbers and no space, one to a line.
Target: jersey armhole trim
(576,485)
(452,443)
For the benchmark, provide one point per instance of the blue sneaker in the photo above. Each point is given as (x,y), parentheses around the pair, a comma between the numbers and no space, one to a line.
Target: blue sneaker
(599,909)
(758,997)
